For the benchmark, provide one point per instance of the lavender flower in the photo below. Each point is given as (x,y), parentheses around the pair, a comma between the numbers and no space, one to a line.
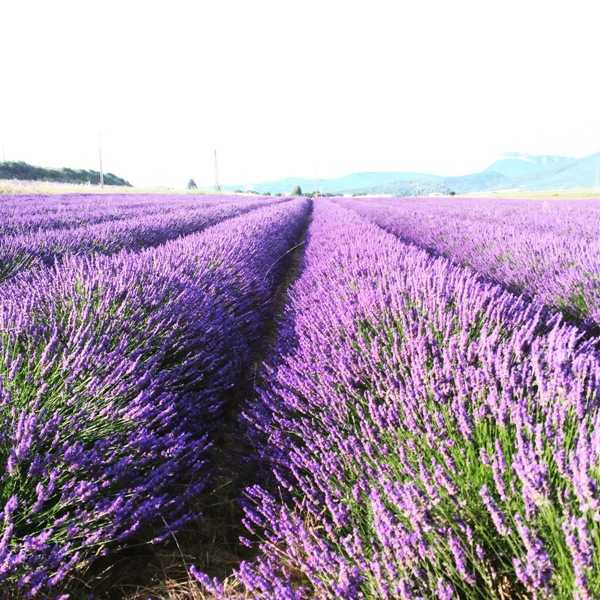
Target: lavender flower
(118,368)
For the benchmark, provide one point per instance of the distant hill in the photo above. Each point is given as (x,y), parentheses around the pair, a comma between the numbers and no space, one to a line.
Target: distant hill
(512,171)
(22,170)
(516,165)
(584,172)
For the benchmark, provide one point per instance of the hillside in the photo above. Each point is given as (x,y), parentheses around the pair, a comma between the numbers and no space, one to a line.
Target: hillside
(516,165)
(24,171)
(512,171)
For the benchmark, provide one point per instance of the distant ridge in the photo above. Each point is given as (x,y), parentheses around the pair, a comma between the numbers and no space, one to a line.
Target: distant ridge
(514,170)
(24,171)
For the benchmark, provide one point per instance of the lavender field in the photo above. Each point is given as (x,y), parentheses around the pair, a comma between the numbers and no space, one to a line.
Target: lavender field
(400,396)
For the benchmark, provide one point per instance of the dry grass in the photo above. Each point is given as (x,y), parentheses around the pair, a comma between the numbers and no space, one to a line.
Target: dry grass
(175,589)
(583,193)
(17,186)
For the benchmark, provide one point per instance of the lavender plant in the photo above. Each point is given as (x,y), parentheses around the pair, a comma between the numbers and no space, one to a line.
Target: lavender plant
(427,434)
(44,247)
(28,214)
(546,249)
(113,371)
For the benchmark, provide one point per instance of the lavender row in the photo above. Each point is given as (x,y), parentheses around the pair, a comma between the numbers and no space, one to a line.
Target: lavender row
(56,203)
(43,248)
(547,249)
(30,217)
(429,435)
(113,371)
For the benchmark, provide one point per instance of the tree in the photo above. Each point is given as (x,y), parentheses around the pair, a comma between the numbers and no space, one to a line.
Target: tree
(192,185)
(297,191)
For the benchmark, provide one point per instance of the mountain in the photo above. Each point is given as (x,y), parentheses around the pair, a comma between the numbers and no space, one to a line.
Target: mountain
(512,171)
(584,172)
(24,171)
(515,164)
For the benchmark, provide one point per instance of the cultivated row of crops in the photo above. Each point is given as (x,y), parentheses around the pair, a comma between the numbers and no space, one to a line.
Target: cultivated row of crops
(27,214)
(113,372)
(549,250)
(418,429)
(141,230)
(428,434)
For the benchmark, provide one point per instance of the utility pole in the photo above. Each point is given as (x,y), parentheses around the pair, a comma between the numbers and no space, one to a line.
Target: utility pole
(100,160)
(217,186)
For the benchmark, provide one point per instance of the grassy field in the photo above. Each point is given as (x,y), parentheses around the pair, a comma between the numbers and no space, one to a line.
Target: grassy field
(558,193)
(16,186)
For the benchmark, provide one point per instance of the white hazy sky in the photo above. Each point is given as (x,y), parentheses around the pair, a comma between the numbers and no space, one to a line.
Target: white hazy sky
(303,87)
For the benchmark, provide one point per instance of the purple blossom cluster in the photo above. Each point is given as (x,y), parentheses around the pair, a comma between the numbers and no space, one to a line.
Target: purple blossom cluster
(113,373)
(45,246)
(547,249)
(420,431)
(27,214)
(424,433)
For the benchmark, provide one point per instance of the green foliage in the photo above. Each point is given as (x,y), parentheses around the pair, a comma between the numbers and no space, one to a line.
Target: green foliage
(297,191)
(192,185)
(22,170)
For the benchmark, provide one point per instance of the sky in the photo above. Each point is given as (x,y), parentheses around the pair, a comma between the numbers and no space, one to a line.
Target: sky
(295,88)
